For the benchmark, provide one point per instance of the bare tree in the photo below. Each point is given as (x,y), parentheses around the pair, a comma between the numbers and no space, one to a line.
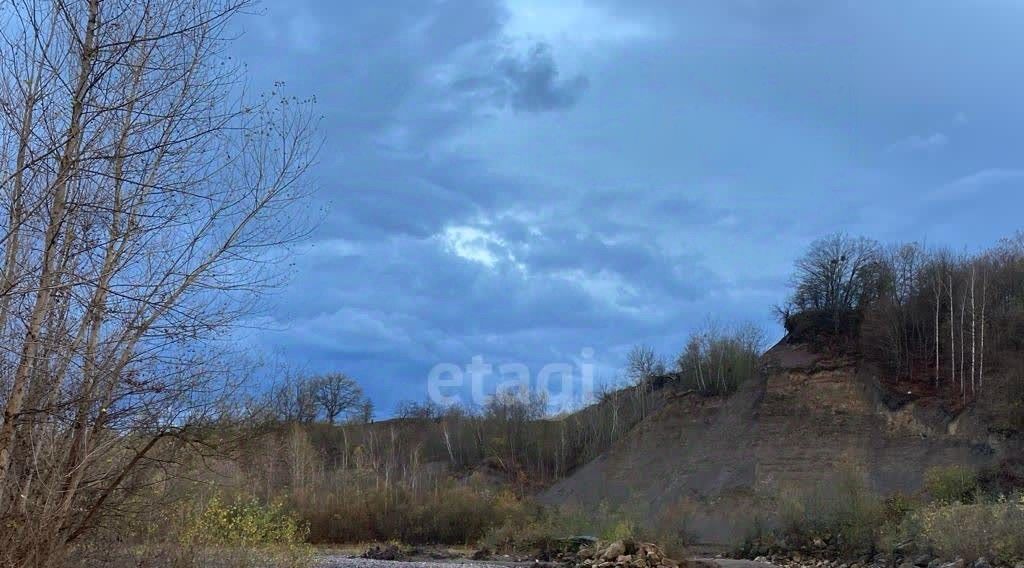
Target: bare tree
(512,411)
(973,328)
(952,344)
(937,289)
(981,347)
(835,275)
(337,394)
(366,411)
(642,364)
(963,350)
(148,199)
(293,399)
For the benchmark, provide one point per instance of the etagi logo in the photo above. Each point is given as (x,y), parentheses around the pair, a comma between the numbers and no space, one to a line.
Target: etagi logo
(557,381)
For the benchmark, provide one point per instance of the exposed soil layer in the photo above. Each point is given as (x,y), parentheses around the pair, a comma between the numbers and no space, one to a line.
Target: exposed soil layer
(802,422)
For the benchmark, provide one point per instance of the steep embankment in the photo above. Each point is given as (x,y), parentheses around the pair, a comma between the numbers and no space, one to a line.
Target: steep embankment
(806,418)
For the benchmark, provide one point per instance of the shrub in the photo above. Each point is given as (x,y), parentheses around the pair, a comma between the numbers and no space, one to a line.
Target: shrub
(540,530)
(449,513)
(994,530)
(953,484)
(717,360)
(245,533)
(845,509)
(672,528)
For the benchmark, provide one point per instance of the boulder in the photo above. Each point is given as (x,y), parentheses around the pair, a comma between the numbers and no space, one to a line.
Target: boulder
(385,552)
(614,550)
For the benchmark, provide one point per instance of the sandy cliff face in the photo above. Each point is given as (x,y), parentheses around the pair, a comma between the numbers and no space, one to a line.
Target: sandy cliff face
(804,420)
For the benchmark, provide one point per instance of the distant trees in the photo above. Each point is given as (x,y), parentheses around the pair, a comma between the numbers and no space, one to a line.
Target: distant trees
(512,412)
(832,280)
(291,400)
(337,394)
(642,364)
(837,274)
(926,314)
(717,360)
(303,399)
(427,410)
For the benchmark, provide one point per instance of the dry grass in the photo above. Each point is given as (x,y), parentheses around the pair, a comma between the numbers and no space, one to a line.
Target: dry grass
(993,529)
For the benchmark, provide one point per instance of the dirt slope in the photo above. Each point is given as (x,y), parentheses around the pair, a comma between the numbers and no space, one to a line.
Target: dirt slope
(805,418)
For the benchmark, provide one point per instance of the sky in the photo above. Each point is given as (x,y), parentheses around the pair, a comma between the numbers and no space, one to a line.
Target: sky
(538,181)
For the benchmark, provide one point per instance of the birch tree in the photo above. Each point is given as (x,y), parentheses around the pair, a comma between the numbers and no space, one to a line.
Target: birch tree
(937,288)
(973,328)
(952,343)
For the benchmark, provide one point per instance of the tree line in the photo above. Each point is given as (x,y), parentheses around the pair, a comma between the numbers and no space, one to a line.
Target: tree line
(923,313)
(304,399)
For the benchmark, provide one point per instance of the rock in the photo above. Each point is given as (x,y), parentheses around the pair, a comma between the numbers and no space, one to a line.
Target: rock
(386,552)
(982,563)
(577,542)
(614,550)
(818,543)
(625,553)
(958,563)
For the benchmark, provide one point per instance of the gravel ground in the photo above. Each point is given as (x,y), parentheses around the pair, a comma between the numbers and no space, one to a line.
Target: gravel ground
(338,561)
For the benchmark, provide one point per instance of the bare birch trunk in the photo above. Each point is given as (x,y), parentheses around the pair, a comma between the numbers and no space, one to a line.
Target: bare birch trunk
(981,350)
(952,344)
(938,303)
(973,330)
(963,352)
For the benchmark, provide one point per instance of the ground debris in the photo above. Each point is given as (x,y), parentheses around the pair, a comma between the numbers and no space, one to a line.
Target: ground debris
(625,553)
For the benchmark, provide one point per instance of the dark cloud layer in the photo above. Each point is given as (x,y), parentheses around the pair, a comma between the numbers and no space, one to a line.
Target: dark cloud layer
(523,181)
(528,82)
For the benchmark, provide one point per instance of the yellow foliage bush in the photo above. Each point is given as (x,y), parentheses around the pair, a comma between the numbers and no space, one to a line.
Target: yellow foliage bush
(244,532)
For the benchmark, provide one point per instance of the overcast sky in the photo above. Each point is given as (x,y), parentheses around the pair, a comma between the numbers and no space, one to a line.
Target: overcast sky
(524,180)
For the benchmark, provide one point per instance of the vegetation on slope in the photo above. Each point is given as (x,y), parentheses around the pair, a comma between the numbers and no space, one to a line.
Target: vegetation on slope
(932,317)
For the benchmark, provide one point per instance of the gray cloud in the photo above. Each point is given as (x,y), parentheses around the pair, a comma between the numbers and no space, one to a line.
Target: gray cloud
(610,188)
(527,82)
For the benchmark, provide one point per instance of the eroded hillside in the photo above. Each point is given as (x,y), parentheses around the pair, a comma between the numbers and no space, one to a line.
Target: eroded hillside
(805,419)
